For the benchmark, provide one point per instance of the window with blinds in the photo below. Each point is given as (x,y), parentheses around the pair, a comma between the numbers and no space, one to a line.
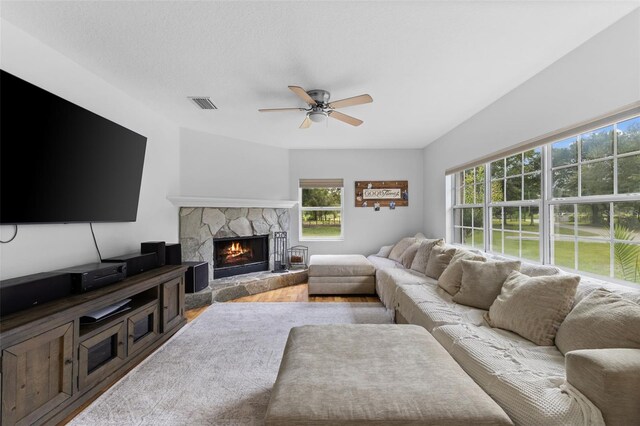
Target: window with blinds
(321,209)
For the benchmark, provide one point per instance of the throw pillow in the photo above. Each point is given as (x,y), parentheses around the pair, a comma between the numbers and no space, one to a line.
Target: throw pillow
(400,247)
(451,278)
(482,281)
(420,236)
(439,259)
(421,258)
(533,307)
(409,254)
(534,270)
(601,320)
(384,251)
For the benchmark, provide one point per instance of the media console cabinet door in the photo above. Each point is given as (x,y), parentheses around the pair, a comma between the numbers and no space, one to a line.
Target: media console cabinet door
(101,355)
(37,375)
(172,303)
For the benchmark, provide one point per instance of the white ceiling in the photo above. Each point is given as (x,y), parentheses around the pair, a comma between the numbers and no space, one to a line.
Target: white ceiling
(427,65)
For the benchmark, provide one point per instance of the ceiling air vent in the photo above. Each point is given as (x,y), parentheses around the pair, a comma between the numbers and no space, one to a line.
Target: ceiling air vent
(203,102)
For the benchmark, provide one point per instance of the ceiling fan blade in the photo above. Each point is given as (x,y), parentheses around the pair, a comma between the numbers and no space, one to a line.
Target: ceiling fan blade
(356,100)
(306,123)
(280,109)
(303,95)
(345,118)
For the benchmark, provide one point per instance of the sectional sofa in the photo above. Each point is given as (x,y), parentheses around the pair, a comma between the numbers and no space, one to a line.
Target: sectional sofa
(583,365)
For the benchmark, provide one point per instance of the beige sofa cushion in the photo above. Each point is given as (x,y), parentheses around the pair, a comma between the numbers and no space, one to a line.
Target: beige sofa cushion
(533,270)
(533,307)
(439,259)
(400,247)
(524,378)
(409,254)
(421,258)
(601,320)
(482,281)
(610,378)
(384,251)
(451,278)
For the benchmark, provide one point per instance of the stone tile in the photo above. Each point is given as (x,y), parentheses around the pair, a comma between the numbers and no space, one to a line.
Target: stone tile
(191,223)
(186,210)
(254,214)
(215,218)
(270,216)
(241,226)
(260,227)
(234,213)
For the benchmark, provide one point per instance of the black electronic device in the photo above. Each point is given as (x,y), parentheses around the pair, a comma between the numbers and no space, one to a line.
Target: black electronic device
(62,163)
(17,294)
(196,277)
(95,275)
(157,247)
(136,262)
(173,254)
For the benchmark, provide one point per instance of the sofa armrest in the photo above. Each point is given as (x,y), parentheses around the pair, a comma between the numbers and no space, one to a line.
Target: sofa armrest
(610,378)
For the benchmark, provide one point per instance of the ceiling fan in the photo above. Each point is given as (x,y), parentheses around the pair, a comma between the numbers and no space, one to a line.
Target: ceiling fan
(320,107)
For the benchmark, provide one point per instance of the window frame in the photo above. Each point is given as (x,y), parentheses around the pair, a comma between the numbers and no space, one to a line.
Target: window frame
(547,202)
(302,209)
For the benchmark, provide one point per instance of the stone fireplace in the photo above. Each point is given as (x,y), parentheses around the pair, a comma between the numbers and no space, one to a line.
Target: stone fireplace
(202,228)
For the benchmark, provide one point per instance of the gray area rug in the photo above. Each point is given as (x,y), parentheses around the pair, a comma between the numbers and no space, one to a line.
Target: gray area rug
(220,368)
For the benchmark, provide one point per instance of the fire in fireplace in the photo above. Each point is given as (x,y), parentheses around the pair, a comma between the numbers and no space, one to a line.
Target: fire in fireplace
(240,255)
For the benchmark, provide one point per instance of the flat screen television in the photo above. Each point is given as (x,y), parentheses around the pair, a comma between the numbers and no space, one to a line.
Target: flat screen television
(61,163)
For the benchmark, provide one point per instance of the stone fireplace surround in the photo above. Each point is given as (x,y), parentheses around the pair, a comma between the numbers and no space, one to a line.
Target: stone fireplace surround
(200,225)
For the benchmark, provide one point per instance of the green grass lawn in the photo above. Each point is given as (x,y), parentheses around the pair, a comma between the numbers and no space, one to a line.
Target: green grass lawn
(593,257)
(320,231)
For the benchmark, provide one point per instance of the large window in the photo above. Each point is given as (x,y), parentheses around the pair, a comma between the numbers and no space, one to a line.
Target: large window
(321,209)
(469,207)
(515,205)
(574,202)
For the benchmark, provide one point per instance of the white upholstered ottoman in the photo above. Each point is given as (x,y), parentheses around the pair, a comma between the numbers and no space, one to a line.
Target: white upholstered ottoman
(341,274)
(346,374)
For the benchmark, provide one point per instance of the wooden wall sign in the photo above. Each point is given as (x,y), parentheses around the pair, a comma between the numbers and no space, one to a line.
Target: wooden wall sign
(370,193)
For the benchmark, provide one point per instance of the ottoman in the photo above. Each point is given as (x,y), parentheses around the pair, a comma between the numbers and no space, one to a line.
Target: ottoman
(374,374)
(341,274)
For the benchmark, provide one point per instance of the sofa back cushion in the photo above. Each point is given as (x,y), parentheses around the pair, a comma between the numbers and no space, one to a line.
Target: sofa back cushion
(439,259)
(400,247)
(533,307)
(421,258)
(451,278)
(601,320)
(482,281)
(409,254)
(533,270)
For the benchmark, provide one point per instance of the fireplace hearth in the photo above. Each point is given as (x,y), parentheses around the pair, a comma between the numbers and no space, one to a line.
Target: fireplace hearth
(240,255)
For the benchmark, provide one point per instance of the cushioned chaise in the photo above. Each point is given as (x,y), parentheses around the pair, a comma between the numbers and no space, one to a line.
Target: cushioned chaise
(341,274)
(374,374)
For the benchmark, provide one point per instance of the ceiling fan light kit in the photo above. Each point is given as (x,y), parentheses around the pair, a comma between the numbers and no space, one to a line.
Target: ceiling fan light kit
(320,107)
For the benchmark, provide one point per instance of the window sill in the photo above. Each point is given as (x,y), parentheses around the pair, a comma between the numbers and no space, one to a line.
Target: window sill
(320,239)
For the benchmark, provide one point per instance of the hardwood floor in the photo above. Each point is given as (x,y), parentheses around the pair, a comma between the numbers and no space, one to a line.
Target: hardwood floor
(300,293)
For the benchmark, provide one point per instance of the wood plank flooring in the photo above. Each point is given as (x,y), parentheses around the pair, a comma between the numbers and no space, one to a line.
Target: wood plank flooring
(300,293)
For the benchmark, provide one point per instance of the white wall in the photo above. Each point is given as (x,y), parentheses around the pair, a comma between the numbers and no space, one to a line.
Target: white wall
(218,166)
(365,230)
(599,76)
(46,247)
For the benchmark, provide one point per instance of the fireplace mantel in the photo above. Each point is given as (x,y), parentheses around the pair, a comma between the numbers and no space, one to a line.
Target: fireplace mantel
(179,201)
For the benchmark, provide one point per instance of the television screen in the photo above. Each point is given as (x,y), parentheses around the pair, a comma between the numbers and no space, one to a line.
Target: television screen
(60,163)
